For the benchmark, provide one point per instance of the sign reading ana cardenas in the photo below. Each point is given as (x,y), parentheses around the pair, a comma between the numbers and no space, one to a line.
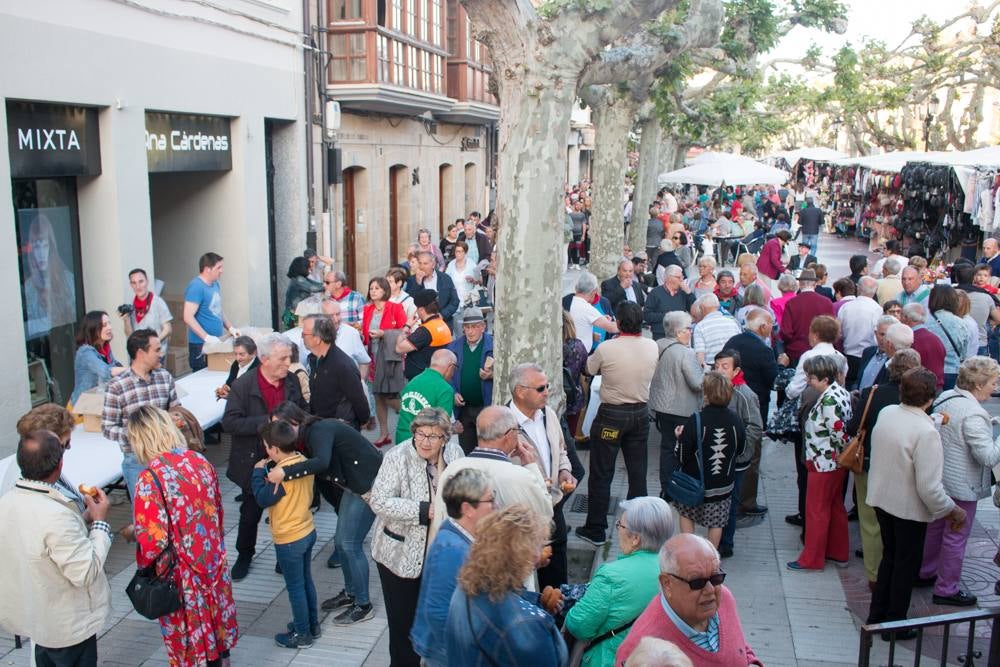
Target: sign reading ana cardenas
(187,142)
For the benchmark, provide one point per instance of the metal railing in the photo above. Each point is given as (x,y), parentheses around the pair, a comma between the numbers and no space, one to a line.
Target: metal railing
(970,658)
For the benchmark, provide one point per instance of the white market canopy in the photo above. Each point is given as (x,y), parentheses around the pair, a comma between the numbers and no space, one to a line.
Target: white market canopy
(817,153)
(729,171)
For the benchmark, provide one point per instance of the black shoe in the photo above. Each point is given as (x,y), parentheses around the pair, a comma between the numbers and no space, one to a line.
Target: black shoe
(959,599)
(314,629)
(853,515)
(725,552)
(795,519)
(277,567)
(899,635)
(355,614)
(756,510)
(341,599)
(239,498)
(859,553)
(293,640)
(920,582)
(596,538)
(241,567)
(332,562)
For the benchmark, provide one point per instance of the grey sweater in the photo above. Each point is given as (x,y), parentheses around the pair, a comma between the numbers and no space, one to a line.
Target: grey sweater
(676,385)
(969,448)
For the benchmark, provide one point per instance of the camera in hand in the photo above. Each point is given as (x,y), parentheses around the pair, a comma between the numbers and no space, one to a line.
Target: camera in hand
(125,309)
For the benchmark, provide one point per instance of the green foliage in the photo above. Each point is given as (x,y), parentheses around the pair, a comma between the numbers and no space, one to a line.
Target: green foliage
(822,14)
(751,26)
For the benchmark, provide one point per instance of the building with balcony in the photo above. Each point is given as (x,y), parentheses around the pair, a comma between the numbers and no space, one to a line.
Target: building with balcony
(416,146)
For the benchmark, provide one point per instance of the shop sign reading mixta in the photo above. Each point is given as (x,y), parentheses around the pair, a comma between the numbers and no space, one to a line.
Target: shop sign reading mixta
(49,140)
(186,142)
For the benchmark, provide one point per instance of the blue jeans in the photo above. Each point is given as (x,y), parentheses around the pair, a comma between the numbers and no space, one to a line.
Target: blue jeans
(354,520)
(813,241)
(295,559)
(130,472)
(196,360)
(729,532)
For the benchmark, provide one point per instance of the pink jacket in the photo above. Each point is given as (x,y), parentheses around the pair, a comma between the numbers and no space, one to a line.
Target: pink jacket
(769,262)
(733,648)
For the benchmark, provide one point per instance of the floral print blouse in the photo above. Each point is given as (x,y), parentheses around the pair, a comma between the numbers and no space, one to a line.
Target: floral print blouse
(824,436)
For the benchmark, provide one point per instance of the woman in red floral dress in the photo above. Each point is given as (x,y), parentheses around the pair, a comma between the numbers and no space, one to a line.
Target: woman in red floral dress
(202,632)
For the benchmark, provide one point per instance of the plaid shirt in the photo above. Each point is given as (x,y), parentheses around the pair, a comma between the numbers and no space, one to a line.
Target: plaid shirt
(352,306)
(126,393)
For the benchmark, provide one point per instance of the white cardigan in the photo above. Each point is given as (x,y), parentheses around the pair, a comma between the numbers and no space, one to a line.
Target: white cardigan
(969,448)
(906,461)
(401,498)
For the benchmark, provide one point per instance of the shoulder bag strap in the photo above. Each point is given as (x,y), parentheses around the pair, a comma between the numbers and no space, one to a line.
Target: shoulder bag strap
(945,400)
(950,339)
(166,509)
(611,633)
(472,631)
(868,404)
(697,447)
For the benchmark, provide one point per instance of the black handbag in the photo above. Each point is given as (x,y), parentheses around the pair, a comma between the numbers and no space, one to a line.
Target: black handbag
(684,488)
(151,594)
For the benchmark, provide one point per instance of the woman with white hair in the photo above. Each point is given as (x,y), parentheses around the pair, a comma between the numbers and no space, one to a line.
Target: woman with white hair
(704,283)
(675,391)
(970,451)
(621,589)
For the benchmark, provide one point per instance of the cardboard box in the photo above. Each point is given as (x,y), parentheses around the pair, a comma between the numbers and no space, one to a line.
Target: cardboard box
(220,361)
(90,405)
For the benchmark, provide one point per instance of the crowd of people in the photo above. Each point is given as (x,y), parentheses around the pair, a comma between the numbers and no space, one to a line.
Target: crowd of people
(464,500)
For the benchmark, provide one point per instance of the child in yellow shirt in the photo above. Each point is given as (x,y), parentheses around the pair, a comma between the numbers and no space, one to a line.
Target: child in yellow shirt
(293,530)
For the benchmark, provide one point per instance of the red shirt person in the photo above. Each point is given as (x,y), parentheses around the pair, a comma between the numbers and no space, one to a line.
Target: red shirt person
(799,314)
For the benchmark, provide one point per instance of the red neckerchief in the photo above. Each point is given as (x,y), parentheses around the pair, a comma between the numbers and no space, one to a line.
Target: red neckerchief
(597,297)
(105,352)
(719,293)
(142,306)
(738,379)
(346,290)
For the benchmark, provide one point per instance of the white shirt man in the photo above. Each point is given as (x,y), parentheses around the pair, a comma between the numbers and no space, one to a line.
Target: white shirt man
(859,317)
(713,330)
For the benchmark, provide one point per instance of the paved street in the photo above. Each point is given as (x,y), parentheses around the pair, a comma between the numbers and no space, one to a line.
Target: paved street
(791,619)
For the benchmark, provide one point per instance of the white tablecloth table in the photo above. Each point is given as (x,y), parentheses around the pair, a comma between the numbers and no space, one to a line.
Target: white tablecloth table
(94,460)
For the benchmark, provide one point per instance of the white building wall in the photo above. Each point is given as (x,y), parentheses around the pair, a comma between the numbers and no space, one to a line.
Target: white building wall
(126,61)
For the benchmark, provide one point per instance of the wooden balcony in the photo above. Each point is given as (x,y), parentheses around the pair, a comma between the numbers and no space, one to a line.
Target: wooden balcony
(395,56)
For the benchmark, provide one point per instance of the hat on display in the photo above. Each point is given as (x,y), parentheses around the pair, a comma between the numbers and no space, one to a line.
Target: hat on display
(472,316)
(424,298)
(807,275)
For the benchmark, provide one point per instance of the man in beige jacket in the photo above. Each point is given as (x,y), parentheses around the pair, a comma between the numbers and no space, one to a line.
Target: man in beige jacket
(54,589)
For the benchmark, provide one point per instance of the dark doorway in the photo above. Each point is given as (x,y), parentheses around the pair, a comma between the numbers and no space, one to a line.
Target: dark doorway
(350,225)
(396,176)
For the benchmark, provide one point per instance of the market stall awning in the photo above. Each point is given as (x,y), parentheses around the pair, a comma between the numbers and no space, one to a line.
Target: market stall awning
(816,153)
(886,162)
(744,171)
(715,156)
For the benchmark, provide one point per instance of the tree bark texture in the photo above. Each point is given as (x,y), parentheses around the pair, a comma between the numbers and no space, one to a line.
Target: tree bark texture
(613,116)
(650,141)
(537,66)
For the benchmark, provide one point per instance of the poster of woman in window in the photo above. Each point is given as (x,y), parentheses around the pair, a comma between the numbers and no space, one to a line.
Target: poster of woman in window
(46,260)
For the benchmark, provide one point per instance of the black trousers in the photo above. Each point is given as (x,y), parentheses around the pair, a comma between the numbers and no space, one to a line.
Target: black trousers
(467,438)
(666,424)
(801,476)
(400,596)
(902,554)
(853,371)
(246,533)
(556,573)
(83,654)
(624,427)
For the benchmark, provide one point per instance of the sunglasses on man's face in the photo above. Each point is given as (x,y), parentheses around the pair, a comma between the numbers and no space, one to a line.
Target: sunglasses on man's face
(541,389)
(700,582)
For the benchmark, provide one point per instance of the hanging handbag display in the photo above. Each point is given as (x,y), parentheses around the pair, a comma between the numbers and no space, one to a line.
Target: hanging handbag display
(684,488)
(853,456)
(151,594)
